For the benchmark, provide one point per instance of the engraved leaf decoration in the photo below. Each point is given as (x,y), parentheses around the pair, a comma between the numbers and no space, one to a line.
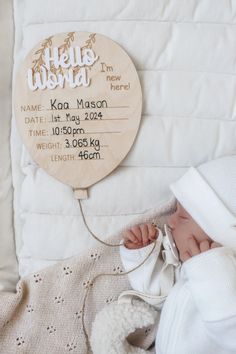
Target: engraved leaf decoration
(70,37)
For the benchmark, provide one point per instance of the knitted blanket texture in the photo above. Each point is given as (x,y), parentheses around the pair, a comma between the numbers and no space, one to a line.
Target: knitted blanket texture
(44,316)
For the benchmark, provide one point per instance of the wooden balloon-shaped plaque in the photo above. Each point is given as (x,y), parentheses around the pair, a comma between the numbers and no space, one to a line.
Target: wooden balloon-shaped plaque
(78,103)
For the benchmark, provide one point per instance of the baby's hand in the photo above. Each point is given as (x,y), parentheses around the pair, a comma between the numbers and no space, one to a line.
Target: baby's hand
(195,247)
(140,236)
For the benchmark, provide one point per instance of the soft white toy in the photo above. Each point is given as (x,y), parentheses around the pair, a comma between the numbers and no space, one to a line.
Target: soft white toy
(114,323)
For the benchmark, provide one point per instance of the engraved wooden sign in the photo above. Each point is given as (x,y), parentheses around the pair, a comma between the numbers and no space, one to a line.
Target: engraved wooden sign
(77,103)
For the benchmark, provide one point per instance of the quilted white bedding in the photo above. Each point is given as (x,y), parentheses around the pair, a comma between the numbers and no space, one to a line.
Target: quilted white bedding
(8,261)
(185,54)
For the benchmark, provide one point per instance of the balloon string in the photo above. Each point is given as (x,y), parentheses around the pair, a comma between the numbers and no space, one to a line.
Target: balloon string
(90,231)
(103,274)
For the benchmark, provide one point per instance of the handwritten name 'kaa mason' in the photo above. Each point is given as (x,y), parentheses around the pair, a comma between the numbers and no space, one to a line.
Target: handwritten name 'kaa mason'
(44,78)
(81,104)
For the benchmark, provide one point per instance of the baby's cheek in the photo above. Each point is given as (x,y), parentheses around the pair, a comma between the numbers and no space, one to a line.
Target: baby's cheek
(179,240)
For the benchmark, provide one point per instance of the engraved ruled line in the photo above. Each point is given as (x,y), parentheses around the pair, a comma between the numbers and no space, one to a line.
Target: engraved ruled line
(117,107)
(84,147)
(102,133)
(101,158)
(87,120)
(80,109)
(86,133)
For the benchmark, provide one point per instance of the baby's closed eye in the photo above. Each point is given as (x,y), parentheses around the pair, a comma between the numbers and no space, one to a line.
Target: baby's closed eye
(183,217)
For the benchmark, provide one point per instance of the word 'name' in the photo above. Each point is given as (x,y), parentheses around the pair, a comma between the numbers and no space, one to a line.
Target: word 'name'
(46,79)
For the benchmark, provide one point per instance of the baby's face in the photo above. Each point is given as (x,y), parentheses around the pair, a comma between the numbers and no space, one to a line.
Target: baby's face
(182,228)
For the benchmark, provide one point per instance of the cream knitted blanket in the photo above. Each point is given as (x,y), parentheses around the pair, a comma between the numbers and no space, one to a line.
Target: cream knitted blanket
(44,316)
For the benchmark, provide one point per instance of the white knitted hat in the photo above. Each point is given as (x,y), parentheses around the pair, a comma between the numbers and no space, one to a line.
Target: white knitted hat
(208,193)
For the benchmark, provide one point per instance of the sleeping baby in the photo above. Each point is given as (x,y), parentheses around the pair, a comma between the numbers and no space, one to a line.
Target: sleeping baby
(190,276)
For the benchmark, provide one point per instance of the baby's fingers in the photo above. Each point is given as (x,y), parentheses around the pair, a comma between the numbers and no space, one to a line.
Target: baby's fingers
(204,246)
(144,230)
(152,232)
(130,237)
(137,233)
(131,245)
(215,244)
(193,248)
